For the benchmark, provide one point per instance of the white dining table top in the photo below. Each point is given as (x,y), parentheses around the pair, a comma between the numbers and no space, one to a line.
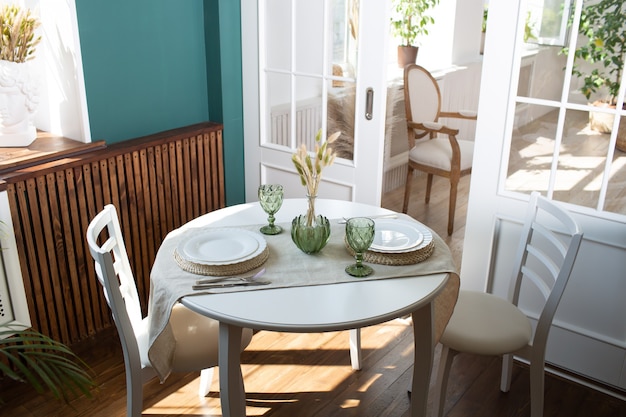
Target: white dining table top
(316,308)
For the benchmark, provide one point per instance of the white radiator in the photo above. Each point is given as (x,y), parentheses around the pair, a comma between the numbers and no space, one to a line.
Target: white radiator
(308,121)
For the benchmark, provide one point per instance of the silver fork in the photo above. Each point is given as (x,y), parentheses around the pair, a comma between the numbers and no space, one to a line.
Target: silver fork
(228,284)
(235,278)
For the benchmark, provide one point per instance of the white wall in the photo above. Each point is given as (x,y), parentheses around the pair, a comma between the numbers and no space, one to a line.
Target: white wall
(63,104)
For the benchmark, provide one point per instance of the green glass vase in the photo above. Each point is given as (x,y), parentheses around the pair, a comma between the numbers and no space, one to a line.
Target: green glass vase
(310,237)
(310,232)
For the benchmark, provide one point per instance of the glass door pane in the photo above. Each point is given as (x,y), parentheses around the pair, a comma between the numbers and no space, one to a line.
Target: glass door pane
(309,68)
(562,144)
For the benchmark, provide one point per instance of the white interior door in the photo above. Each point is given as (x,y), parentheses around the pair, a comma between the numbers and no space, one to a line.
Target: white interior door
(311,65)
(532,134)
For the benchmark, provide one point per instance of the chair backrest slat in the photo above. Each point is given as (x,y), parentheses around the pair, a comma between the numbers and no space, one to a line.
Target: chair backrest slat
(544,260)
(549,244)
(538,281)
(114,272)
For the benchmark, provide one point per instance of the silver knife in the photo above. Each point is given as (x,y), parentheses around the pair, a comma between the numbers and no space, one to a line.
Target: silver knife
(228,284)
(245,278)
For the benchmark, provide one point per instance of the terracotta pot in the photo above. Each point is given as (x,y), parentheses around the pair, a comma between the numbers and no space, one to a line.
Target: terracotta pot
(603,123)
(406,55)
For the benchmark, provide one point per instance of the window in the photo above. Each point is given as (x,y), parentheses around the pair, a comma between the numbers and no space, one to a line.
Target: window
(562,143)
(547,19)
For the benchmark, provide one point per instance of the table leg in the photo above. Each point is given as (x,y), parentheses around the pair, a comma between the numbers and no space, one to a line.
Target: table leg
(232,394)
(355,349)
(423,360)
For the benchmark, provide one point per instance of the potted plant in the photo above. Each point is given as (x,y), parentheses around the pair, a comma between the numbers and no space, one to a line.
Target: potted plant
(603,25)
(483,29)
(18,42)
(409,21)
(47,365)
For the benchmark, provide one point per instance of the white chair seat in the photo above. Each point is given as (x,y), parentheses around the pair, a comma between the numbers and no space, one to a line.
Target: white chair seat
(143,342)
(196,337)
(190,328)
(437,153)
(486,324)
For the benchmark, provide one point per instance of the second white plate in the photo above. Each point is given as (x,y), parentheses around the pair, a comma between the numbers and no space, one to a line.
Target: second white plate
(398,236)
(220,246)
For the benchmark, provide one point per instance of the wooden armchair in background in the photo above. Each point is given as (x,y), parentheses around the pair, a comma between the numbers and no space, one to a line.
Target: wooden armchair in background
(429,152)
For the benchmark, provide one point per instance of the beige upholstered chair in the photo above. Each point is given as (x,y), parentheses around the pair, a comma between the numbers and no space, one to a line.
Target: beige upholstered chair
(196,336)
(486,324)
(433,146)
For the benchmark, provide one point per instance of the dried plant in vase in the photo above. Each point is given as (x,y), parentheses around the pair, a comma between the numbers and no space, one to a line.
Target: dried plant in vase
(18,41)
(310,232)
(18,87)
(310,169)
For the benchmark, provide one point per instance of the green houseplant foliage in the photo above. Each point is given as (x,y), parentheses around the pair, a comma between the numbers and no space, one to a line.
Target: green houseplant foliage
(17,27)
(47,365)
(604,26)
(31,357)
(410,19)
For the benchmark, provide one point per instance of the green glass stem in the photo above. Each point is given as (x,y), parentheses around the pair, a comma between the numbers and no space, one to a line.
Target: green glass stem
(359,259)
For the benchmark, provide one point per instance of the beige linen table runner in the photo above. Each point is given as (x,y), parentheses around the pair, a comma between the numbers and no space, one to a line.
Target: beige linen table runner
(286,266)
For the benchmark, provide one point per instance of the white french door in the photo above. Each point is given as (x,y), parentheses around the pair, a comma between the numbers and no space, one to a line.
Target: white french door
(311,65)
(532,134)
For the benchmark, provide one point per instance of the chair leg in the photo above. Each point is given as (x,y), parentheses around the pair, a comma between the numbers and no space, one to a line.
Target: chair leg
(537,382)
(135,378)
(206,377)
(441,384)
(507,370)
(429,186)
(452,207)
(355,349)
(407,189)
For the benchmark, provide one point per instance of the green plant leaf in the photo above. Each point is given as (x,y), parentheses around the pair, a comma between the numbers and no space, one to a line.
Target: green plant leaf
(603,25)
(44,363)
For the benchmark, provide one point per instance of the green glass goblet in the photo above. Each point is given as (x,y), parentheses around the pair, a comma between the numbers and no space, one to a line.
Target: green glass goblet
(271,199)
(360,235)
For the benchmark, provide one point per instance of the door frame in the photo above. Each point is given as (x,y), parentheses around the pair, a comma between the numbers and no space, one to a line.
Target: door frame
(363,176)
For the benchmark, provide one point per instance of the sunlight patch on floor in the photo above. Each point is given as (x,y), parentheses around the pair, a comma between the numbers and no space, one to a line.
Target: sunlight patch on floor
(350,403)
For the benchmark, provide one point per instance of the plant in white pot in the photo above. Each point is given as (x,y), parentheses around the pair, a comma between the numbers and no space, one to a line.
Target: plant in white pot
(603,27)
(410,21)
(18,95)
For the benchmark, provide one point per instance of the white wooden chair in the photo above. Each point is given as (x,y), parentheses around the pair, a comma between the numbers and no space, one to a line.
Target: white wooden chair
(486,324)
(428,151)
(196,336)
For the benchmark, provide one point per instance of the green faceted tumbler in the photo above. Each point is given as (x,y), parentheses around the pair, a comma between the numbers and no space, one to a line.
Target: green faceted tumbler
(271,199)
(360,235)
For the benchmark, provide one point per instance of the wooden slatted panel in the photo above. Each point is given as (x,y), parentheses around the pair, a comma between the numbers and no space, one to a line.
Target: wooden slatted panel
(157,183)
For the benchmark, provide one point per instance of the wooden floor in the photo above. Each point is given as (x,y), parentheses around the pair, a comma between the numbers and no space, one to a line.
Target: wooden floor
(304,375)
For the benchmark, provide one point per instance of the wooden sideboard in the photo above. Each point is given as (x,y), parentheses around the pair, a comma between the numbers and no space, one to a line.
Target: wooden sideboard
(157,182)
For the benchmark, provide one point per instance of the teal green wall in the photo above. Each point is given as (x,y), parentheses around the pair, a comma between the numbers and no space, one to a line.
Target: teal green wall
(154,65)
(223,22)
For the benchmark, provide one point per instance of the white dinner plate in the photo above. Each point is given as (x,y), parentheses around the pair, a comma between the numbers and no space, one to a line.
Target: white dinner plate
(399,236)
(220,246)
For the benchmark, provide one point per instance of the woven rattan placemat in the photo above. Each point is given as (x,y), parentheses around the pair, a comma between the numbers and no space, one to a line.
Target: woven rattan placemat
(406,258)
(222,270)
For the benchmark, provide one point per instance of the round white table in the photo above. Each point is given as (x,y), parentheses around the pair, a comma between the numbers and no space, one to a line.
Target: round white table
(344,306)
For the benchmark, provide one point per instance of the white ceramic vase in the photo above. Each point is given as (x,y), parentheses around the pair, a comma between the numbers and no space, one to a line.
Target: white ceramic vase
(18,102)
